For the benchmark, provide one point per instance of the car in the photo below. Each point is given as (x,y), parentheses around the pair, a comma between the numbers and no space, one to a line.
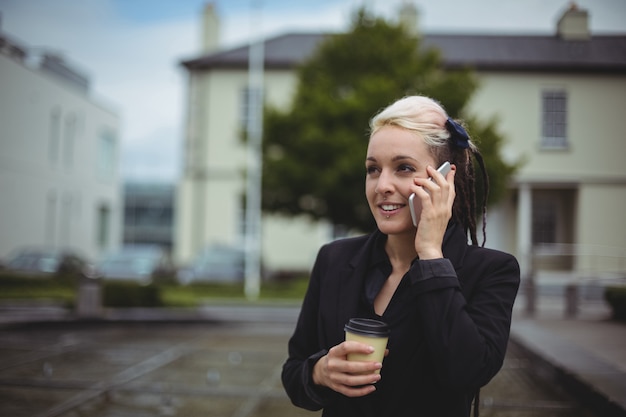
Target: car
(47,261)
(217,263)
(143,264)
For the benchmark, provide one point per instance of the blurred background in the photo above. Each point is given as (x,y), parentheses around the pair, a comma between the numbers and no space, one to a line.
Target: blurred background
(194,155)
(123,133)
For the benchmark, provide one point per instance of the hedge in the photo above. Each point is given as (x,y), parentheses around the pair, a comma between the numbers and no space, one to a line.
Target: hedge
(616,297)
(130,294)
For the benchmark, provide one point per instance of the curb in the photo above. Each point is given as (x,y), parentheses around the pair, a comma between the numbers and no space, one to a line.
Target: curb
(597,384)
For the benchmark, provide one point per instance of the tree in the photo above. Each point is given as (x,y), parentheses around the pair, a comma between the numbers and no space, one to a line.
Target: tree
(314,153)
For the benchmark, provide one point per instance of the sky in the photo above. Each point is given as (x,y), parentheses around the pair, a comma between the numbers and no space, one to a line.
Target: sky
(132,49)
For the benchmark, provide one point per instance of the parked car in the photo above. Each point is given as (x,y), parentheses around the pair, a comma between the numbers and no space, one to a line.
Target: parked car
(215,264)
(143,264)
(47,261)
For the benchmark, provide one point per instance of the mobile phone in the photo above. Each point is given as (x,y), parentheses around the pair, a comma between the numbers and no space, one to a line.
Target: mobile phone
(443,170)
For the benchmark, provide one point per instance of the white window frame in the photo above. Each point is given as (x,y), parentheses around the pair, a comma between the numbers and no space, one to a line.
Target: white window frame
(554,119)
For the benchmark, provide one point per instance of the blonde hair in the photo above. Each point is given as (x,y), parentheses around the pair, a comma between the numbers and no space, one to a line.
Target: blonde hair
(421,115)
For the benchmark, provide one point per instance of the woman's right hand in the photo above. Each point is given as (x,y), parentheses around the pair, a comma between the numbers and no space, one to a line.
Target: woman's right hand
(350,378)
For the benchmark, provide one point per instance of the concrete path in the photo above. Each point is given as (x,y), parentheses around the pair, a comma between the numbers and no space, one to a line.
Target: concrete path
(585,354)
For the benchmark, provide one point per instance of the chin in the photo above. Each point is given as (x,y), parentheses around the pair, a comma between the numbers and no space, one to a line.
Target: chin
(390,227)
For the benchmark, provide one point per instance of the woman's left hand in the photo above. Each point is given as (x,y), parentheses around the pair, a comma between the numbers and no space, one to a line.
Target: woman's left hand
(437,199)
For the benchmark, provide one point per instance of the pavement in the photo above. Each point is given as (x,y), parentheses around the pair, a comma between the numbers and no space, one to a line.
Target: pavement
(583,351)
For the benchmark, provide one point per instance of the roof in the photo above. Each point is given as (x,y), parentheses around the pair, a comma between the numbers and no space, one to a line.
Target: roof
(604,54)
(285,51)
(543,53)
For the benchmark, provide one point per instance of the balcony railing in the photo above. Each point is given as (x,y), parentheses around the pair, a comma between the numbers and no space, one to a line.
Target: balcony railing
(579,273)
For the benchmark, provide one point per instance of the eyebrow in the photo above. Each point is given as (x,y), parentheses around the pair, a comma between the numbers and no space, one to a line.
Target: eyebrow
(394,159)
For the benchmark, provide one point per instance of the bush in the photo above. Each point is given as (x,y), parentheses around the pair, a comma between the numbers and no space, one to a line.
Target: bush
(616,297)
(130,294)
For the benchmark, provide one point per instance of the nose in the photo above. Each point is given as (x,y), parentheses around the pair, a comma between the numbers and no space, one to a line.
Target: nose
(384,185)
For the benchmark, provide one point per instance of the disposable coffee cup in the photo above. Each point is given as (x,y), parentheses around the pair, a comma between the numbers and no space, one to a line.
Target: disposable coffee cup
(371,332)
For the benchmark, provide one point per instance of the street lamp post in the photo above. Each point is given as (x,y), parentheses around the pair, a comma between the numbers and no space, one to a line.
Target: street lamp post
(256,57)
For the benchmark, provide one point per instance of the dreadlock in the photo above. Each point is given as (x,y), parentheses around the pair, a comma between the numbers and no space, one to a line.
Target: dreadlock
(464,210)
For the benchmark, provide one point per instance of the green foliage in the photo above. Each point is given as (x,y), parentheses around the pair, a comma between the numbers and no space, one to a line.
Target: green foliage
(193,295)
(314,153)
(490,142)
(130,294)
(21,287)
(616,297)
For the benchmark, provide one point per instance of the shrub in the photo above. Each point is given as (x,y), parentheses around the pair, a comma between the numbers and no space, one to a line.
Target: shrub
(616,297)
(130,294)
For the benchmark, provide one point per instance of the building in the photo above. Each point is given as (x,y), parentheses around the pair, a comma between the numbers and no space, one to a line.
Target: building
(59,176)
(149,214)
(558,98)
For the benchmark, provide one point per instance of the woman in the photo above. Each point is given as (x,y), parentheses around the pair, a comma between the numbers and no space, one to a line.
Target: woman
(448,303)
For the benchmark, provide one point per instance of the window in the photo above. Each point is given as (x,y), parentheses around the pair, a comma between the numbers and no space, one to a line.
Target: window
(554,119)
(106,154)
(51,218)
(65,221)
(104,214)
(54,136)
(69,140)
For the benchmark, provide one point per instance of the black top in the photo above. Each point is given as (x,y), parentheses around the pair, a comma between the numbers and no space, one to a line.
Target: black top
(449,320)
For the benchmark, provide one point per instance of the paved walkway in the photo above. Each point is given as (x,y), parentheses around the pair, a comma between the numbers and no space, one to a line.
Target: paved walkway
(585,354)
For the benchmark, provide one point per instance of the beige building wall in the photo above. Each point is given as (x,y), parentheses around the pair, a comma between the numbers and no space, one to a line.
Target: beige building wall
(211,196)
(587,173)
(59,153)
(601,227)
(588,177)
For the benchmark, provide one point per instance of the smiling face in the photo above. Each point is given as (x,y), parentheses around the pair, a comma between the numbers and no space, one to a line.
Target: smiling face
(394,157)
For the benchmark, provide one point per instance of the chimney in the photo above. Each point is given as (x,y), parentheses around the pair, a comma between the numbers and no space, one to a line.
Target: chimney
(210,28)
(574,24)
(408,17)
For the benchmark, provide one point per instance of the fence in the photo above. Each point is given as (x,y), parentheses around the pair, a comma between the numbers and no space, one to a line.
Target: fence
(578,273)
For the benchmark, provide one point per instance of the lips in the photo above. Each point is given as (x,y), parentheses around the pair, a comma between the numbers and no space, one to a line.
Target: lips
(391,207)
(388,209)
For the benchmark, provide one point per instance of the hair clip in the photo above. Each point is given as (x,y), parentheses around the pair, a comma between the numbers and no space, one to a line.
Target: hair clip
(458,134)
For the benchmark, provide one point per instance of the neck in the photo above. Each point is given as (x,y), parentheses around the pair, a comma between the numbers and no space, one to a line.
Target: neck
(400,249)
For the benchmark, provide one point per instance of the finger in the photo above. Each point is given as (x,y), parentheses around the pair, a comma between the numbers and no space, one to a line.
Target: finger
(356,381)
(435,175)
(361,367)
(353,382)
(341,365)
(433,183)
(351,346)
(359,391)
(424,188)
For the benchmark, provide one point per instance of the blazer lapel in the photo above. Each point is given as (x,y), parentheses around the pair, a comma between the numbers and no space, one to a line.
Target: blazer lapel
(351,278)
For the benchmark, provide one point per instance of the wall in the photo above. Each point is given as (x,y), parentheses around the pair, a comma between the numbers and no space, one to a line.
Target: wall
(210,199)
(592,165)
(52,197)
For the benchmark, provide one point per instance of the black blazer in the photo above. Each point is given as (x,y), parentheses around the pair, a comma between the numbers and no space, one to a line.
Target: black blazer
(463,305)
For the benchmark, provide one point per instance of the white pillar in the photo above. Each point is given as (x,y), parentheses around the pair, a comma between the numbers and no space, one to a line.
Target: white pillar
(524,228)
(524,246)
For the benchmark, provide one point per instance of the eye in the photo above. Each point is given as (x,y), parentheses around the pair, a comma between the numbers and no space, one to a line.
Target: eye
(406,168)
(371,169)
